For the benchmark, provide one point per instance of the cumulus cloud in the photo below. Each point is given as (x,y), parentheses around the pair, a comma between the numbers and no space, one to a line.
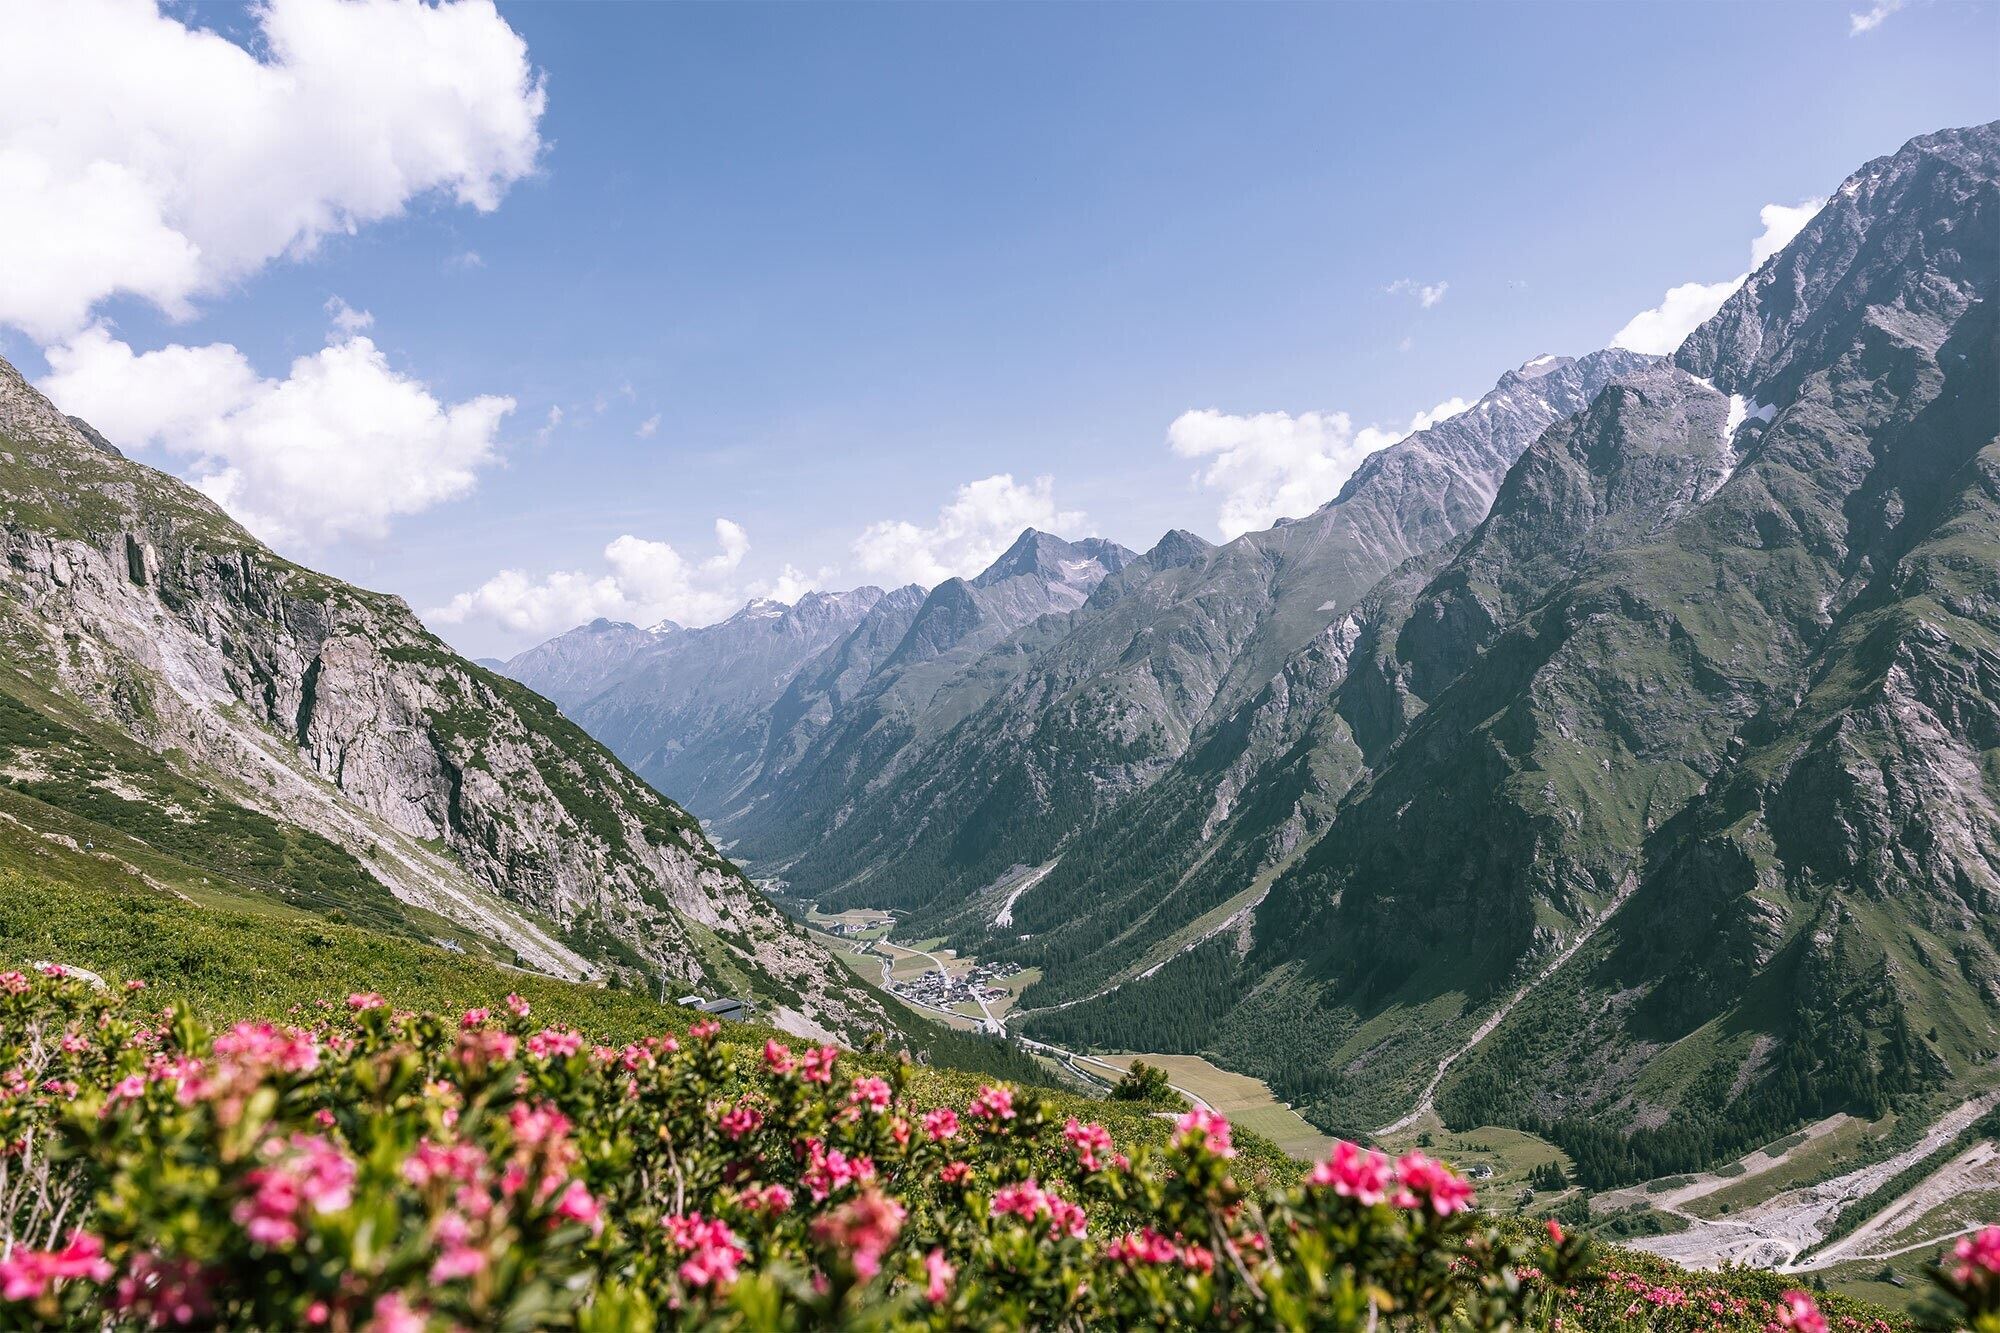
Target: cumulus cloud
(170,162)
(1425,294)
(644,581)
(1273,465)
(1871,19)
(979,523)
(339,447)
(1687,307)
(648,427)
(346,318)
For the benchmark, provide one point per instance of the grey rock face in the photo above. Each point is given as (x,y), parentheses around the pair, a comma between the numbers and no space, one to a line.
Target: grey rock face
(331,708)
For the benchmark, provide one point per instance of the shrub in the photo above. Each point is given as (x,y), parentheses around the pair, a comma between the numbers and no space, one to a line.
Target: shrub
(367,1168)
(1146,1083)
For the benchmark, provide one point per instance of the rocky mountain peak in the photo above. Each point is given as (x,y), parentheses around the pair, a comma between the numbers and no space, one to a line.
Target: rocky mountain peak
(1044,555)
(1545,364)
(1178,547)
(1898,253)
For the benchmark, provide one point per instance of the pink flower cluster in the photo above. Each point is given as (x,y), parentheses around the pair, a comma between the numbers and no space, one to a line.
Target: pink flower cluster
(712,1253)
(1423,1181)
(553,1044)
(829,1170)
(1978,1258)
(26,1274)
(1797,1313)
(870,1092)
(1092,1143)
(1416,1181)
(303,1173)
(740,1122)
(1354,1173)
(1149,1247)
(993,1105)
(1029,1201)
(170,1293)
(863,1228)
(1209,1129)
(938,1275)
(816,1066)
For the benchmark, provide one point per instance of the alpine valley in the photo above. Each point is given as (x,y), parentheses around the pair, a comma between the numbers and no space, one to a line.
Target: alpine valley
(1610,771)
(1617,760)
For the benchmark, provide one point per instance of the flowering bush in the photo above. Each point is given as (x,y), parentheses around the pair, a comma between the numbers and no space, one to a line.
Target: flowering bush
(1969,1282)
(379,1169)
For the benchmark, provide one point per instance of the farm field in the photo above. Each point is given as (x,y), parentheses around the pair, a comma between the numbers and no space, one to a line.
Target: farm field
(1245,1100)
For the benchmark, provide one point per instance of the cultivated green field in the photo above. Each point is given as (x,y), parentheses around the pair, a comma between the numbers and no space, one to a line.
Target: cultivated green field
(1244,1100)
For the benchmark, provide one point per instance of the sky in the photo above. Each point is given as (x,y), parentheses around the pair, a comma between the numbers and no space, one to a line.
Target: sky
(535,314)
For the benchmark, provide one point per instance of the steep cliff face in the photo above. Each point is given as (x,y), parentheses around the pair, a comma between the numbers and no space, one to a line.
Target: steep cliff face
(133,603)
(1679,768)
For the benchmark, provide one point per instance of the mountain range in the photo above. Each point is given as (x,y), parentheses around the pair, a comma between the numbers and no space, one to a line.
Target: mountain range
(1616,758)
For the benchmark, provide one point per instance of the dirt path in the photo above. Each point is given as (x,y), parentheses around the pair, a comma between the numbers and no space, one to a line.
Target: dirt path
(1978,1167)
(1774,1233)
(1493,1020)
(1028,881)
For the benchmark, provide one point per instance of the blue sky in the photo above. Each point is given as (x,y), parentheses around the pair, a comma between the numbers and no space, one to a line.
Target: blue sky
(814,270)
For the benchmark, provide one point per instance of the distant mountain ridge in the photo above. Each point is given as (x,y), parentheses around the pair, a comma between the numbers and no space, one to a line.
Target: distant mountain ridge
(1055,725)
(713,710)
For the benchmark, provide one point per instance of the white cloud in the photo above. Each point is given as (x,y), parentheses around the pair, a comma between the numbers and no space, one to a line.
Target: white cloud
(1426,294)
(549,423)
(339,447)
(1687,307)
(1683,310)
(141,156)
(792,584)
(981,521)
(464,261)
(648,427)
(1273,465)
(1781,223)
(645,582)
(1872,19)
(346,318)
